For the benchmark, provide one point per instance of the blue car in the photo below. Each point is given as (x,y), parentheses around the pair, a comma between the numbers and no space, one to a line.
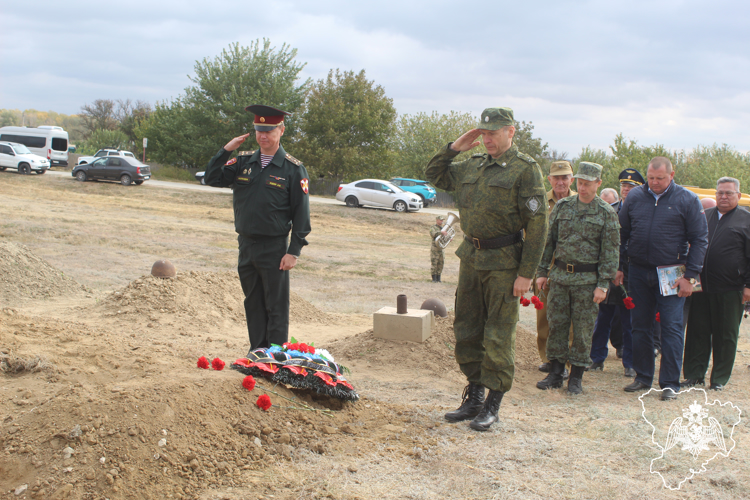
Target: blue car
(423,189)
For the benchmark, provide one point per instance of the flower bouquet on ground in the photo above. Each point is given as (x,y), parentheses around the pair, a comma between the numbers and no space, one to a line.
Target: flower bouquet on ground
(298,366)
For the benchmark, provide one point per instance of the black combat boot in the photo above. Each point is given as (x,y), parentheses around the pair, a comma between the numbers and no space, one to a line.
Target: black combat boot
(434,278)
(574,382)
(555,378)
(488,415)
(438,278)
(473,399)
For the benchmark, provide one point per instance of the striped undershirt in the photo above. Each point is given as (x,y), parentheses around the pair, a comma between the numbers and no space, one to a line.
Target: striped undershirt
(265,160)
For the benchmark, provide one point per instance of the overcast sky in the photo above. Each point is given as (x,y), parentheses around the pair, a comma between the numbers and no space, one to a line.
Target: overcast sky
(670,72)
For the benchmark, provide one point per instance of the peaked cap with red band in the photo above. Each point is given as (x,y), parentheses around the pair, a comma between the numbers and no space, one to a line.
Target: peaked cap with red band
(266,117)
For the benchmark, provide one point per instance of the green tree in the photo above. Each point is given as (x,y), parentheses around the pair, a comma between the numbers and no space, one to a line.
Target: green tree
(418,137)
(346,127)
(532,146)
(99,139)
(191,128)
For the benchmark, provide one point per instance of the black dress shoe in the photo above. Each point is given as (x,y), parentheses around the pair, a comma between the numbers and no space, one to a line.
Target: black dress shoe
(692,382)
(716,387)
(629,372)
(619,353)
(595,367)
(636,386)
(668,394)
(544,367)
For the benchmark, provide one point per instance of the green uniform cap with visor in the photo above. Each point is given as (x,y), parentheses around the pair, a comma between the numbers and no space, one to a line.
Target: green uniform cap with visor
(496,118)
(589,171)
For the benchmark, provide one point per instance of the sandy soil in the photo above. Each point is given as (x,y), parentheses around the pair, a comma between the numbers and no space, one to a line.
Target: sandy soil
(100,396)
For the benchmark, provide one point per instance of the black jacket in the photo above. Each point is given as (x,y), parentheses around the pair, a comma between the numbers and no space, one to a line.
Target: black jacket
(727,265)
(660,233)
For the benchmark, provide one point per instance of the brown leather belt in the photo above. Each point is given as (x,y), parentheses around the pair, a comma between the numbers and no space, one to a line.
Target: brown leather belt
(503,241)
(577,268)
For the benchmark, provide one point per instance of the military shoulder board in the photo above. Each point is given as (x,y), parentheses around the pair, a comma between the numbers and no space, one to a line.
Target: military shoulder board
(525,157)
(293,159)
(246,153)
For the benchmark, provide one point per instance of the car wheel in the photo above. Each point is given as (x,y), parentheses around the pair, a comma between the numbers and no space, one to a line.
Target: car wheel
(424,202)
(138,183)
(352,202)
(2,168)
(81,176)
(40,172)
(399,206)
(125,180)
(203,181)
(24,169)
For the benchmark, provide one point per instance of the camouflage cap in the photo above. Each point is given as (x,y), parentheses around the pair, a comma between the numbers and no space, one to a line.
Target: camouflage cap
(496,118)
(561,167)
(440,217)
(589,171)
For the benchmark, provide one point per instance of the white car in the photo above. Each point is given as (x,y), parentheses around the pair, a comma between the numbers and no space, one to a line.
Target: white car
(83,160)
(18,157)
(377,193)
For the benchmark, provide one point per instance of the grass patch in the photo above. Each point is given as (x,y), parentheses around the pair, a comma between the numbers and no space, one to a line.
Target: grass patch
(170,173)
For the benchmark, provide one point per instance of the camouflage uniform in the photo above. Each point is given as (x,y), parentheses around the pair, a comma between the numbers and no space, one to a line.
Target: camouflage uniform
(497,197)
(437,256)
(578,234)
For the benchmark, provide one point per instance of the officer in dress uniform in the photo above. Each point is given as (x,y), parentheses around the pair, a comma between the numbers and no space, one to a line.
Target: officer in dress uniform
(270,200)
(500,196)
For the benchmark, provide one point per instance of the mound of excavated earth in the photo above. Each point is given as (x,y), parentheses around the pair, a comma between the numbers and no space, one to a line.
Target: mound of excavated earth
(194,297)
(23,275)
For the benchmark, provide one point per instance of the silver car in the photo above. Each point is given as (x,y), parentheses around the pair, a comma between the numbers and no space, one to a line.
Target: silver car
(377,193)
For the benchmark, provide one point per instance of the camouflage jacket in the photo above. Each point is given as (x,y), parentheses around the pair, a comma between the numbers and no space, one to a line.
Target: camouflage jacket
(434,231)
(496,197)
(582,234)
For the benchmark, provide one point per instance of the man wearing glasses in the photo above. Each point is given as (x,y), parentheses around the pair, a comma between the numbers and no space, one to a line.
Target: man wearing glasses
(715,313)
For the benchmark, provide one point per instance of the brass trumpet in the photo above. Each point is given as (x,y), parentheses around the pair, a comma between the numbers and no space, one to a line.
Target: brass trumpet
(448,233)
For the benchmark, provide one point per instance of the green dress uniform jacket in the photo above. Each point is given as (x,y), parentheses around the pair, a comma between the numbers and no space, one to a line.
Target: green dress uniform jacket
(497,197)
(269,203)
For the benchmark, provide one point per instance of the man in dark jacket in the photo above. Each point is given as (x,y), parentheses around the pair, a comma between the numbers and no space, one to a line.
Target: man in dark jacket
(716,312)
(660,222)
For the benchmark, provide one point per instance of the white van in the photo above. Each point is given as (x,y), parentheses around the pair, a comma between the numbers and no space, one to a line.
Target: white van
(46,141)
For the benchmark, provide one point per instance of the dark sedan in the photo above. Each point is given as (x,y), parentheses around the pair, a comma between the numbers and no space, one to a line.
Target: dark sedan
(119,169)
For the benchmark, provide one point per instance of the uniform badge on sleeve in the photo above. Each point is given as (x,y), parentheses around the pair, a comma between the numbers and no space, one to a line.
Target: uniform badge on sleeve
(533,205)
(305,185)
(231,162)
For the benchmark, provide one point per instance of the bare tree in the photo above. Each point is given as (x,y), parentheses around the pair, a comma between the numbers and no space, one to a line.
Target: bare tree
(100,115)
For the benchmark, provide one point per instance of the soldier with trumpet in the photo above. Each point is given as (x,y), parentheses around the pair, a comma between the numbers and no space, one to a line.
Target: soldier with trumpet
(437,256)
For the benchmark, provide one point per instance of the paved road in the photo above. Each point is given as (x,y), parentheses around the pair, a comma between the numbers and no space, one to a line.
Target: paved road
(152,183)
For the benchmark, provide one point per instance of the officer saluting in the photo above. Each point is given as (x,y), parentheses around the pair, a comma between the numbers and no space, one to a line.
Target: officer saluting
(270,200)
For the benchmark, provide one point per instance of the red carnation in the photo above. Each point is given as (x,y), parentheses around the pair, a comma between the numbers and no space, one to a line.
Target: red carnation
(539,305)
(535,300)
(658,318)
(628,303)
(203,363)
(525,302)
(217,364)
(264,402)
(248,383)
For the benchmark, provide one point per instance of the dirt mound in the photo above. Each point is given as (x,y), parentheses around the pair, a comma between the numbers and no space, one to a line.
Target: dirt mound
(194,297)
(116,417)
(434,356)
(23,275)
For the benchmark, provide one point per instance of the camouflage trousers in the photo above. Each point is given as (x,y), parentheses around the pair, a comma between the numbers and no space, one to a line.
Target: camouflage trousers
(437,259)
(571,305)
(485,326)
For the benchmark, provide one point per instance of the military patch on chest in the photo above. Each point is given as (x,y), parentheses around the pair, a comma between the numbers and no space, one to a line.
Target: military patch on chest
(533,205)
(231,162)
(275,184)
(293,159)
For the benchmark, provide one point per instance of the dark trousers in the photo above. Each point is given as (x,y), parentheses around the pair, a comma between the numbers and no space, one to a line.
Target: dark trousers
(266,290)
(609,316)
(644,290)
(714,325)
(615,329)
